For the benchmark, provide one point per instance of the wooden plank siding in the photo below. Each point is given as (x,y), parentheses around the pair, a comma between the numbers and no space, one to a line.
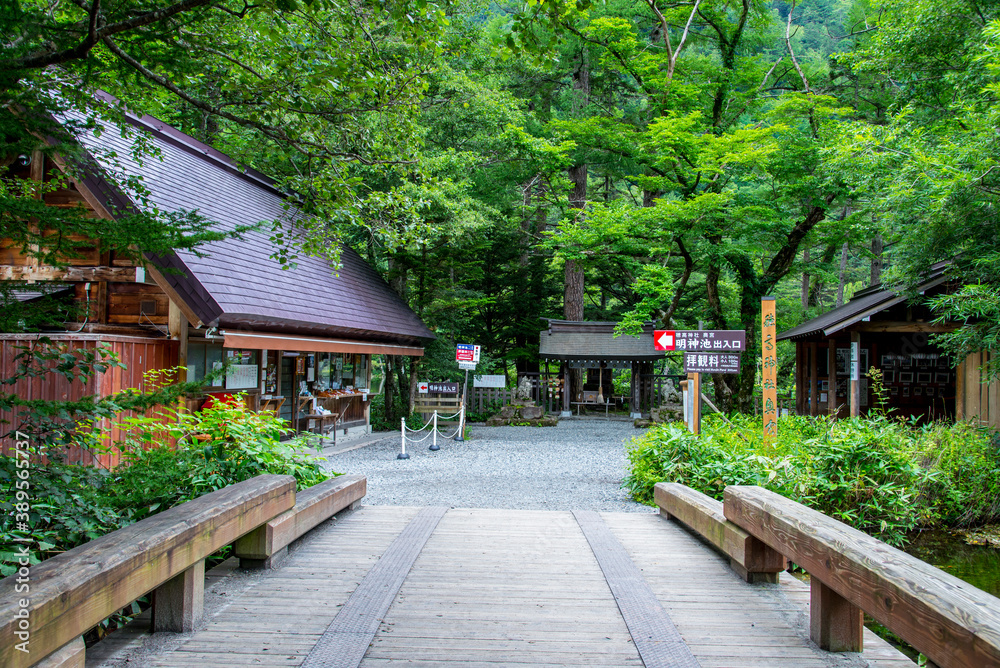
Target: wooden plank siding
(141,355)
(977,401)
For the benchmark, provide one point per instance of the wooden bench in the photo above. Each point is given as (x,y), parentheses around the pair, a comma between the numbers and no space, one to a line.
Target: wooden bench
(267,545)
(948,620)
(71,593)
(595,404)
(749,557)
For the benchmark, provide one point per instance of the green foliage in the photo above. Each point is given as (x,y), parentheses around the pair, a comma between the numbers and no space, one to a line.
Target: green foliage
(72,504)
(67,508)
(977,308)
(489,410)
(234,443)
(882,476)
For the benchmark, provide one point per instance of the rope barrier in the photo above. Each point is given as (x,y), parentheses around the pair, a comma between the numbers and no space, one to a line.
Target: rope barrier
(417,430)
(426,436)
(434,432)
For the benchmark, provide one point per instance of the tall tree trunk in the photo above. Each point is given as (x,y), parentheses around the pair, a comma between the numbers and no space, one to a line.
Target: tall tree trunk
(805,279)
(389,391)
(412,387)
(877,248)
(573,283)
(842,277)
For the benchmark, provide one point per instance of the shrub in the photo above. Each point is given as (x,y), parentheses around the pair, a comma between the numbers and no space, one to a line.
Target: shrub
(882,476)
(221,445)
(489,410)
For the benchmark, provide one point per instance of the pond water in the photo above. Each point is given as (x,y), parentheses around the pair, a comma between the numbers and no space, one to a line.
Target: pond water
(978,565)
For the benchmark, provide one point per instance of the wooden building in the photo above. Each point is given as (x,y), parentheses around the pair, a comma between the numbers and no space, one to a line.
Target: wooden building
(287,332)
(593,348)
(894,335)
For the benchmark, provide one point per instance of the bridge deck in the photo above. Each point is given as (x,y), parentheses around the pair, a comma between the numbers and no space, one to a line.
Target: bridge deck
(509,587)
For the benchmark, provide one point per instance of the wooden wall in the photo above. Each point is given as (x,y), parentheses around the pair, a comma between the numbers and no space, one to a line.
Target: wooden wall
(138,354)
(125,301)
(974,400)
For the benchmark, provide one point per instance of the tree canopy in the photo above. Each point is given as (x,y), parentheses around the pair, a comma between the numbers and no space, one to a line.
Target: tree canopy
(620,160)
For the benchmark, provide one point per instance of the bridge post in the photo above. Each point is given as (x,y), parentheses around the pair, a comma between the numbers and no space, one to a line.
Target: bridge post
(835,624)
(179,602)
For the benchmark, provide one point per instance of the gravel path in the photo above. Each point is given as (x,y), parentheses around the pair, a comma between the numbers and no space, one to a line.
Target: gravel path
(578,464)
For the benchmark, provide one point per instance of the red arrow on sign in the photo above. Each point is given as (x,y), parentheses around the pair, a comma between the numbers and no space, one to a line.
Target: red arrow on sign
(663,339)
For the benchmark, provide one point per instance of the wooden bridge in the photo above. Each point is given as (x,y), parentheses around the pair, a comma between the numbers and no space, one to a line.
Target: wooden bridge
(472,587)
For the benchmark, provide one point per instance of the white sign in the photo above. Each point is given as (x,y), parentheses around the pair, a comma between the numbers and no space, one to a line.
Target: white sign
(490,381)
(422,388)
(241,376)
(855,360)
(468,366)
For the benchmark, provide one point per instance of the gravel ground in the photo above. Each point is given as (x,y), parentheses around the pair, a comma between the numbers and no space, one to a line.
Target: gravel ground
(578,464)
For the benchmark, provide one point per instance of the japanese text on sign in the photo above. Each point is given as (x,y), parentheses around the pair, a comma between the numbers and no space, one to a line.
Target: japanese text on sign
(769,367)
(711,362)
(443,388)
(467,352)
(728,340)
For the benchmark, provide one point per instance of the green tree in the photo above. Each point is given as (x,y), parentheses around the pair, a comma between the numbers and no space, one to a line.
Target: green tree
(926,167)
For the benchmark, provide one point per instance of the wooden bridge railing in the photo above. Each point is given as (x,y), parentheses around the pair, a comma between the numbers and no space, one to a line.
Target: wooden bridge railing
(948,620)
(69,594)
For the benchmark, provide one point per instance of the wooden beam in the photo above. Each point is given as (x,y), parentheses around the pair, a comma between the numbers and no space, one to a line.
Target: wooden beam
(951,622)
(835,624)
(72,592)
(813,379)
(96,202)
(749,557)
(960,391)
(264,546)
(13,272)
(72,655)
(904,326)
(800,385)
(694,396)
(831,372)
(175,297)
(855,374)
(179,603)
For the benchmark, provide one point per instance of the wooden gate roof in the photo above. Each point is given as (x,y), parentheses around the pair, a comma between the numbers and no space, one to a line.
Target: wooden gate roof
(581,340)
(238,283)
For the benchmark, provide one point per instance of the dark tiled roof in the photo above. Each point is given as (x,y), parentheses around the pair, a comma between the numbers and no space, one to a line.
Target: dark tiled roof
(569,340)
(238,283)
(864,304)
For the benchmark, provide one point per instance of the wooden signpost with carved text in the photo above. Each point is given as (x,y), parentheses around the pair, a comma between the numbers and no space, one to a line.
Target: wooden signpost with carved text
(769,368)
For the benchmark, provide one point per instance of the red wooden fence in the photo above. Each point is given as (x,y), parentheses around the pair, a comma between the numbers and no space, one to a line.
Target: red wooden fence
(139,354)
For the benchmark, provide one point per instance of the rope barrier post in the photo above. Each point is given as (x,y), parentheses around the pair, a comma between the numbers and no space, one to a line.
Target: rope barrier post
(460,436)
(434,442)
(402,431)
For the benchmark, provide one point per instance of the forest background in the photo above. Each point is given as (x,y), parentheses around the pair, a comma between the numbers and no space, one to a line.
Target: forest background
(499,163)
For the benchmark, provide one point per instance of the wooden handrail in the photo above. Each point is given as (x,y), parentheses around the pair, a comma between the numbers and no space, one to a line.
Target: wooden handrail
(948,620)
(72,592)
(748,556)
(267,545)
